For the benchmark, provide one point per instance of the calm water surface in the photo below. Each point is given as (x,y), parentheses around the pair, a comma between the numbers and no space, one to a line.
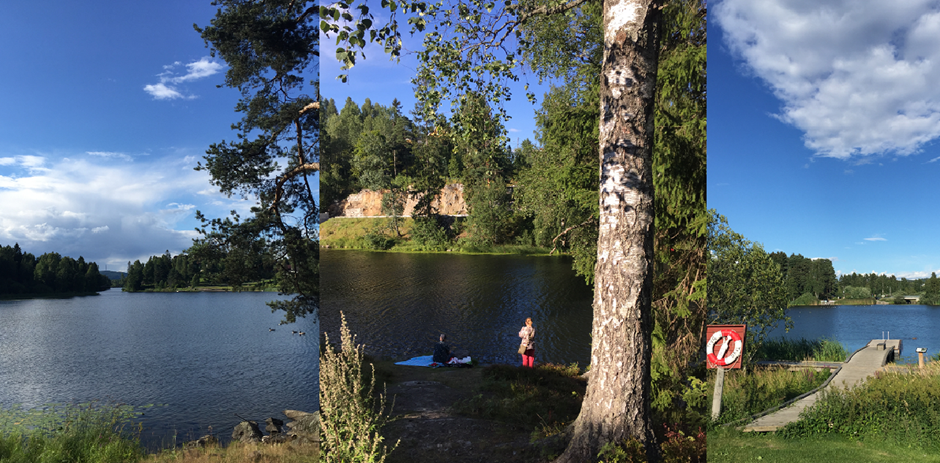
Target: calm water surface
(854,326)
(202,356)
(398,304)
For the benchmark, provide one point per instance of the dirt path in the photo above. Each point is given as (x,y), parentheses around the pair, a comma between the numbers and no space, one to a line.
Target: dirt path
(431,431)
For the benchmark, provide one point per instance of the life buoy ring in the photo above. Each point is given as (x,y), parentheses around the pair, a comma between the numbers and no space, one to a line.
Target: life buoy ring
(721,359)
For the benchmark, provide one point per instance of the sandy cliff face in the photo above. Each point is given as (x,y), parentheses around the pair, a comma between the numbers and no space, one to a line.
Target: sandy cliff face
(368,203)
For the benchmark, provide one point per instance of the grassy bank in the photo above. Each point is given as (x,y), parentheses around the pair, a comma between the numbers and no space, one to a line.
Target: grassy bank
(727,445)
(866,301)
(361,234)
(891,417)
(108,433)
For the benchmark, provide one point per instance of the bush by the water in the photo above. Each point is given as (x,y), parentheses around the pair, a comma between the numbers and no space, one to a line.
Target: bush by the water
(896,406)
(805,299)
(820,350)
(750,392)
(89,433)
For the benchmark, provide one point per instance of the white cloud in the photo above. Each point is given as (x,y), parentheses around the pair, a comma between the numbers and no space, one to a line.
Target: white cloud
(199,69)
(875,238)
(104,211)
(162,92)
(110,154)
(858,77)
(167,88)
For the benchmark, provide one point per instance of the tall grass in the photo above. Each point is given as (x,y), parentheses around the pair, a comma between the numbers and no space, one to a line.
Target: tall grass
(237,452)
(92,433)
(350,417)
(820,350)
(900,407)
(750,392)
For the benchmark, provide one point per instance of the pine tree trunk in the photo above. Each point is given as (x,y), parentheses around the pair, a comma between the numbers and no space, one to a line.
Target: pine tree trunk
(617,404)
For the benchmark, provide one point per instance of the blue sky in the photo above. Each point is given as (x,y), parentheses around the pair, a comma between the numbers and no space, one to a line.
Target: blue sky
(382,80)
(107,107)
(823,127)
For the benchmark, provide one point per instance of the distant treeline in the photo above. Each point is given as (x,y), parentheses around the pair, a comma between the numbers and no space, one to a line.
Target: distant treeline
(197,266)
(23,273)
(809,280)
(872,285)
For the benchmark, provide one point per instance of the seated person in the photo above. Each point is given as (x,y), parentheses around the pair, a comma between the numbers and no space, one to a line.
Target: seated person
(442,351)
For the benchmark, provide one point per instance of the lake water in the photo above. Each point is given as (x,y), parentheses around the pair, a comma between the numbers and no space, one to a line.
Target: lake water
(398,304)
(854,326)
(203,357)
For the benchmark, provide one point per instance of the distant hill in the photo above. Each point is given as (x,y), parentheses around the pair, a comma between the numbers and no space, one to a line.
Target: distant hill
(112,274)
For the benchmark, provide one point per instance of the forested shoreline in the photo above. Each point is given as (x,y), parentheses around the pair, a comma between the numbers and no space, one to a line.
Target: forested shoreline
(200,266)
(806,281)
(22,273)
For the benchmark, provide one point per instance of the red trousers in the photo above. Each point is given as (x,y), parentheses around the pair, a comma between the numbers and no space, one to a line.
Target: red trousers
(528,358)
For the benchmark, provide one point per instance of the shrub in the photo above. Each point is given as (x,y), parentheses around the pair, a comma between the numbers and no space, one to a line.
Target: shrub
(895,406)
(805,299)
(378,241)
(350,417)
(428,233)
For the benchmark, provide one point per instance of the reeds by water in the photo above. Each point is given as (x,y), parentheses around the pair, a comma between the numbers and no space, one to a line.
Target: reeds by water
(820,350)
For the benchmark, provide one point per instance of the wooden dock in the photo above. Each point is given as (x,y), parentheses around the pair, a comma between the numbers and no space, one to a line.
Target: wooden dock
(862,364)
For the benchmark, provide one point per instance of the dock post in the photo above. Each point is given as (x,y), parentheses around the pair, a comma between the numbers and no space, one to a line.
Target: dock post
(716,398)
(920,356)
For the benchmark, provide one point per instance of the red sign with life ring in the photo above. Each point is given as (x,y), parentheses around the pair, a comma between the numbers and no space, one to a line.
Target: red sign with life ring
(725,345)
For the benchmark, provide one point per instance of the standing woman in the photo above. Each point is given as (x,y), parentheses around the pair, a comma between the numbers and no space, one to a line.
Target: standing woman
(527,348)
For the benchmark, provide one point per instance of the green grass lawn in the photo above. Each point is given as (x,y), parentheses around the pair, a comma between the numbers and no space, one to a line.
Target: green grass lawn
(728,445)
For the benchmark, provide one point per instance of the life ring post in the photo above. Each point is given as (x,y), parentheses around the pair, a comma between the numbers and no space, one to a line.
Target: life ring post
(716,398)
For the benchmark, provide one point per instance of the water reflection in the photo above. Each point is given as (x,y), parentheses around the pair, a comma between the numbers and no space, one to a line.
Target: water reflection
(398,304)
(203,356)
(854,326)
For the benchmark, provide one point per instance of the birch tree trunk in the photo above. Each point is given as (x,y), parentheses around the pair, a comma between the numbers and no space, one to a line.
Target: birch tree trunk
(617,404)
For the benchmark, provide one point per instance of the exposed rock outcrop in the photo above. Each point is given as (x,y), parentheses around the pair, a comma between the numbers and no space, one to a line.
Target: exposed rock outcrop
(305,427)
(247,431)
(368,203)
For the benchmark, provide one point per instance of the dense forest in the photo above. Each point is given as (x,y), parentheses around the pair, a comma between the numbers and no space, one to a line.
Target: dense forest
(23,273)
(202,266)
